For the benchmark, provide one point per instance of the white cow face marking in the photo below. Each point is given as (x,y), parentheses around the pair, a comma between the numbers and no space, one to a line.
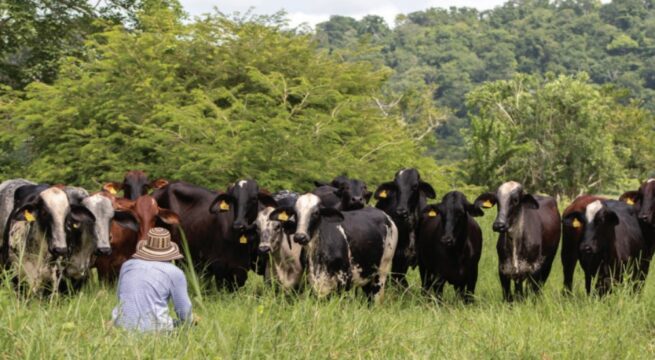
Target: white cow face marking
(307,214)
(592,210)
(270,231)
(56,202)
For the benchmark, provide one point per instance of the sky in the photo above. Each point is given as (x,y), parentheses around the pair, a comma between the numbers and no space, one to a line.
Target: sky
(316,11)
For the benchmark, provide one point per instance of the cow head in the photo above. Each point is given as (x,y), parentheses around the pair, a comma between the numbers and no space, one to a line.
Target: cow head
(271,232)
(643,201)
(308,214)
(142,215)
(404,193)
(244,199)
(50,209)
(134,184)
(599,223)
(510,199)
(453,212)
(352,192)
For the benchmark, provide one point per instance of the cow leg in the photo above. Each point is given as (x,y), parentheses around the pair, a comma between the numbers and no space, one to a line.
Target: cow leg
(505,282)
(518,289)
(427,279)
(399,269)
(587,282)
(470,286)
(569,260)
(372,289)
(438,287)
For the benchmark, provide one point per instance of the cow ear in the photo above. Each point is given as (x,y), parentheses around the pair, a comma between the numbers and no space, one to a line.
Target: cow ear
(529,201)
(427,189)
(28,212)
(320,183)
(473,210)
(330,214)
(158,184)
(127,220)
(112,187)
(384,191)
(367,195)
(266,199)
(430,211)
(220,204)
(168,216)
(282,214)
(80,214)
(486,201)
(629,197)
(610,217)
(574,220)
(289,227)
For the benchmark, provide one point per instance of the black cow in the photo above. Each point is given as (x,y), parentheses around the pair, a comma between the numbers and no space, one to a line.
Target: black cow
(449,245)
(343,248)
(529,232)
(220,228)
(343,193)
(403,199)
(644,202)
(134,184)
(613,244)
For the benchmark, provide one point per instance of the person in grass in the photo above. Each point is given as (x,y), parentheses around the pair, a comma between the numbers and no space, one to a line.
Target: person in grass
(147,282)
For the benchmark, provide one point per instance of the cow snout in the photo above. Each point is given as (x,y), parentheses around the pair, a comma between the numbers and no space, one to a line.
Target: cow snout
(59,251)
(587,249)
(264,249)
(643,217)
(499,226)
(103,251)
(448,241)
(301,239)
(402,212)
(238,225)
(358,200)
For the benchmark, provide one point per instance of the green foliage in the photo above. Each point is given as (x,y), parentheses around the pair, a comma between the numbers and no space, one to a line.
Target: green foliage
(209,102)
(559,135)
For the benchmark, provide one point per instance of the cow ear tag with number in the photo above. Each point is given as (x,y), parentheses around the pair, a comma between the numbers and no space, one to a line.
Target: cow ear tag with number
(29,216)
(383,194)
(283,216)
(224,206)
(432,213)
(487,204)
(629,201)
(576,223)
(112,190)
(243,239)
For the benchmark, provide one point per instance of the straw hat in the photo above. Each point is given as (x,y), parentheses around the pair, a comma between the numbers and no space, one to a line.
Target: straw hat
(158,247)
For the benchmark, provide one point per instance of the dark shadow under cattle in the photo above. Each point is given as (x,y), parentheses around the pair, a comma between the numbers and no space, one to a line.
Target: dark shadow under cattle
(613,245)
(219,228)
(572,234)
(403,199)
(449,245)
(529,233)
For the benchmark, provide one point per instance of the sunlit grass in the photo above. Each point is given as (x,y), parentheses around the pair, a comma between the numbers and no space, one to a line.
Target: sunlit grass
(258,322)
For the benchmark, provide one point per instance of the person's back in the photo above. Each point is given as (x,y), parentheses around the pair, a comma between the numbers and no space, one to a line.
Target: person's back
(147,282)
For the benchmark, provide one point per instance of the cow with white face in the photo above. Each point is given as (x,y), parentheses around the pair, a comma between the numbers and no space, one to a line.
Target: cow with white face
(284,264)
(343,248)
(529,232)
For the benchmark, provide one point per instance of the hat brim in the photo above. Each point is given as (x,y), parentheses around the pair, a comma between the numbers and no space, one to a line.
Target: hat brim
(143,252)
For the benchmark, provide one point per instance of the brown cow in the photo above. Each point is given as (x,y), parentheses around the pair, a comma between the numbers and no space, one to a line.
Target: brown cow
(132,221)
(134,184)
(529,231)
(572,235)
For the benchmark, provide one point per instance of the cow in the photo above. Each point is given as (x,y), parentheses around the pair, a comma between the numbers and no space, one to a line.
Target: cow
(134,184)
(529,232)
(613,245)
(449,245)
(643,200)
(343,193)
(35,236)
(285,264)
(403,199)
(343,248)
(131,222)
(220,227)
(572,234)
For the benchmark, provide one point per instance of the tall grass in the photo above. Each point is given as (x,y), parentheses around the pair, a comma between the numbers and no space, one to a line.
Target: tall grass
(258,322)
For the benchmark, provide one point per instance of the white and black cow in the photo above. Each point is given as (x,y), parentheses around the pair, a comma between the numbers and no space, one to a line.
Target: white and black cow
(343,248)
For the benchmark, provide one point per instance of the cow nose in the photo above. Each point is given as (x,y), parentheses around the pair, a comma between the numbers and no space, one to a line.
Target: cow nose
(301,239)
(58,251)
(103,251)
(643,217)
(358,199)
(586,249)
(402,213)
(499,226)
(264,249)
(239,225)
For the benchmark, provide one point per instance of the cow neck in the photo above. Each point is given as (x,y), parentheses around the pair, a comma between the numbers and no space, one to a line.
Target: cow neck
(514,233)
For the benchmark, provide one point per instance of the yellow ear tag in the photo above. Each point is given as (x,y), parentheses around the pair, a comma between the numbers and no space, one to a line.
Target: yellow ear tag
(224,206)
(243,239)
(432,213)
(576,223)
(487,204)
(29,216)
(629,201)
(283,216)
(112,190)
(383,194)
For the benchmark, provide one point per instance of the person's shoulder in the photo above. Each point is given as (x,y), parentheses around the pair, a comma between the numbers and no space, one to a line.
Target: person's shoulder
(172,269)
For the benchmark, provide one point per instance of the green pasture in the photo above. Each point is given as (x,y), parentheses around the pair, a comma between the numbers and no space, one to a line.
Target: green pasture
(257,322)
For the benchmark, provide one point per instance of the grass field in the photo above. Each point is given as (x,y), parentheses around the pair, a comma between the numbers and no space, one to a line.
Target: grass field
(258,323)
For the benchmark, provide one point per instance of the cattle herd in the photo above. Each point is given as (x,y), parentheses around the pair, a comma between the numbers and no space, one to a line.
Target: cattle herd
(329,238)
